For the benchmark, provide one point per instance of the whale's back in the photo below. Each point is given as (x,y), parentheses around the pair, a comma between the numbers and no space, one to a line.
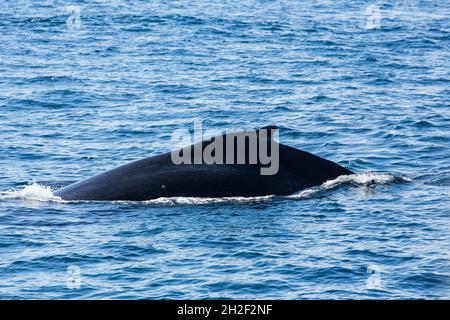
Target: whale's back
(159,176)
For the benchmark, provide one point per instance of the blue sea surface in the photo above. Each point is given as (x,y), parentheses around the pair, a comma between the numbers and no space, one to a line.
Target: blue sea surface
(86,86)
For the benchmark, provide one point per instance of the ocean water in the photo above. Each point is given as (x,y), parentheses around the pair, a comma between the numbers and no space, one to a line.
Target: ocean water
(88,85)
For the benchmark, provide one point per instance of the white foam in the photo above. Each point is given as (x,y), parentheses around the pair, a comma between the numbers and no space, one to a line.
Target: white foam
(200,201)
(34,191)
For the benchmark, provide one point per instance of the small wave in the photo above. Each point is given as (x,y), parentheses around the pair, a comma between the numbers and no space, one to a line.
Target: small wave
(364,179)
(34,191)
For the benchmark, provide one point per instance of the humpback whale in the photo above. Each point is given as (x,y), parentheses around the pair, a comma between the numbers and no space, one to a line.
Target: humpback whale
(238,173)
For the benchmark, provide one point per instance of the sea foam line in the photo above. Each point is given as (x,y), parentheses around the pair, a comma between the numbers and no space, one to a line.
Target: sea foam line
(38,192)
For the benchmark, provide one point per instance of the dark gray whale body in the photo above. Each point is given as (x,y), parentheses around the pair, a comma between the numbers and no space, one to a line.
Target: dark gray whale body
(159,176)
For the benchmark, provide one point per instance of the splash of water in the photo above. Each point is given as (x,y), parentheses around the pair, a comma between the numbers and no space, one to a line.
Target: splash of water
(34,191)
